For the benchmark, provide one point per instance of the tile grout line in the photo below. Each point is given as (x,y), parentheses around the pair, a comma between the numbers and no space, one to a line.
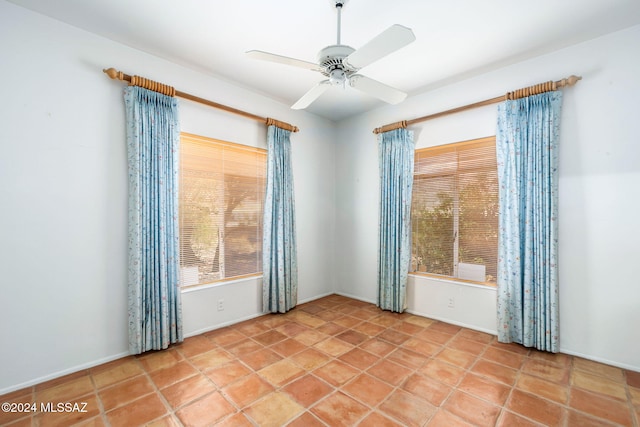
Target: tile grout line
(338,388)
(453,388)
(466,371)
(371,409)
(394,389)
(171,412)
(400,354)
(503,409)
(103,413)
(157,392)
(634,414)
(224,394)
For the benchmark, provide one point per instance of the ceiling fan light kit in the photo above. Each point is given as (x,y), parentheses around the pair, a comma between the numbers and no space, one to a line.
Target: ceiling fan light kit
(340,63)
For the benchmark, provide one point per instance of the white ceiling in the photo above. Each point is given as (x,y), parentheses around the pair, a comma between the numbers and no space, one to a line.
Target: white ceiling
(455,38)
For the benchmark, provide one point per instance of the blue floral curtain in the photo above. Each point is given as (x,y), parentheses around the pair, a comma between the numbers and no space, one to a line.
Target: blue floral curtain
(155,314)
(527,154)
(280,259)
(395,151)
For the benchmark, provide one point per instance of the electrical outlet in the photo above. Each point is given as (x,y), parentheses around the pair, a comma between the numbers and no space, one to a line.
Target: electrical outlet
(220,305)
(451,302)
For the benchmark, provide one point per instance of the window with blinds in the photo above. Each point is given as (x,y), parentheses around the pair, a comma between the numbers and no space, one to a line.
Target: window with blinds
(454,211)
(222,187)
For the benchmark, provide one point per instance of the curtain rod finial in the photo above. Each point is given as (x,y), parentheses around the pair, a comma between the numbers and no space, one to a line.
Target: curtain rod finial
(111,72)
(569,81)
(573,80)
(116,75)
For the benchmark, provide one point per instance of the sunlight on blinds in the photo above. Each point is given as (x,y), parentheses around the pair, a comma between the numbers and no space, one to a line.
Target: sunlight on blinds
(454,212)
(222,188)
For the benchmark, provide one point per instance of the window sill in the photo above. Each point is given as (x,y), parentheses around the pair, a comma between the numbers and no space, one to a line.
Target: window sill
(453,280)
(219,283)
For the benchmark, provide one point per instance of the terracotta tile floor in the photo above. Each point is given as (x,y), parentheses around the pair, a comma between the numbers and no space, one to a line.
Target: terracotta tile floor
(341,362)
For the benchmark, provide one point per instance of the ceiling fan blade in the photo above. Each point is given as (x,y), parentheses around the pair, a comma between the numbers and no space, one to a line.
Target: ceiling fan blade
(311,95)
(272,57)
(388,41)
(377,89)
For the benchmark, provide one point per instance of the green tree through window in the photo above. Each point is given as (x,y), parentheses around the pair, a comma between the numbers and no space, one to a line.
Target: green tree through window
(222,188)
(455,210)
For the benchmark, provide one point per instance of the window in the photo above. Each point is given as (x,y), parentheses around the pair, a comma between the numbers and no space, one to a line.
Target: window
(222,188)
(454,212)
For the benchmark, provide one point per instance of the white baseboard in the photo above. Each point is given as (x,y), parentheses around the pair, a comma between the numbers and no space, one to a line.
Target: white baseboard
(62,373)
(242,319)
(222,325)
(454,322)
(316,297)
(600,360)
(120,355)
(344,294)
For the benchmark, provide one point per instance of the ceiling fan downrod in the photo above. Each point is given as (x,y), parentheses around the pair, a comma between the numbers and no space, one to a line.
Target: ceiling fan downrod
(339,5)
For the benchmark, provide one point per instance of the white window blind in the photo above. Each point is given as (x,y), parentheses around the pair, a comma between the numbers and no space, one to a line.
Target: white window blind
(454,212)
(222,188)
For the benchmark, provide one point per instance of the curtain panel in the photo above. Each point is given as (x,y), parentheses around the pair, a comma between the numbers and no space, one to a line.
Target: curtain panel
(280,259)
(153,135)
(527,154)
(396,153)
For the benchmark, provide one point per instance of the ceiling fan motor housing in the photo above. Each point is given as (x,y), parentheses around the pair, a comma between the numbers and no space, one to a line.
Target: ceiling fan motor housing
(331,62)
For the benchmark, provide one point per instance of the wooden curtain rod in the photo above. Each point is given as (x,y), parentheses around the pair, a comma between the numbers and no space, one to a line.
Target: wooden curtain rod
(517,94)
(169,90)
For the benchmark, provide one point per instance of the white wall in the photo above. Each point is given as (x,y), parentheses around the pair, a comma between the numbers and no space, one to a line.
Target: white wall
(63,193)
(599,181)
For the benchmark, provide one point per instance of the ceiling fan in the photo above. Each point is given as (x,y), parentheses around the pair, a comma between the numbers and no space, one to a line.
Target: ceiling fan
(340,63)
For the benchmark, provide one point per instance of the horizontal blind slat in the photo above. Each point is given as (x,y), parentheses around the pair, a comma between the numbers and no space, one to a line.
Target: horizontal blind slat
(221,204)
(454,209)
